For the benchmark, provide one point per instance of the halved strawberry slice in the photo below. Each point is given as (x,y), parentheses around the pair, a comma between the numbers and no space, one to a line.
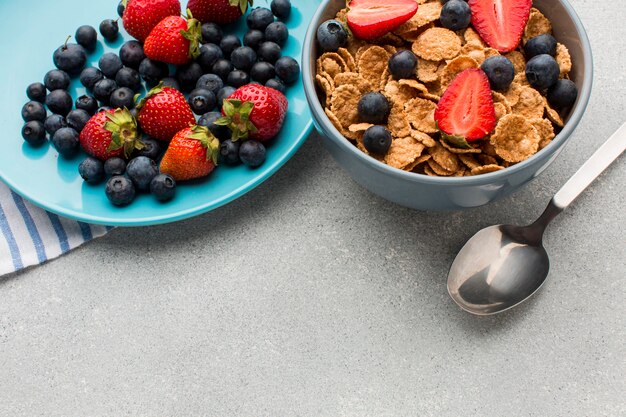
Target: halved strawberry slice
(371,19)
(466,112)
(501,23)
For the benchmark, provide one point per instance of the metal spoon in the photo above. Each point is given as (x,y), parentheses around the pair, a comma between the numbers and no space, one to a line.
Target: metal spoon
(502,266)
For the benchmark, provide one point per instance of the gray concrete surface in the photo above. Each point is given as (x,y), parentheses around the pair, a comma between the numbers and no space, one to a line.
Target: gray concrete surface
(311,297)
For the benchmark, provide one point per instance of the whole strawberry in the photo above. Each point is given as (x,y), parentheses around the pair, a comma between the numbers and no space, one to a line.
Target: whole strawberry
(109,134)
(141,16)
(254,112)
(191,154)
(175,40)
(218,11)
(164,112)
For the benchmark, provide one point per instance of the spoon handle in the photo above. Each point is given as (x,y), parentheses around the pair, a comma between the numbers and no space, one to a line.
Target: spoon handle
(592,169)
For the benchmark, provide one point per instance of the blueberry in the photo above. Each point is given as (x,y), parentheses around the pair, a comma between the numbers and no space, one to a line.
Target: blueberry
(276,85)
(228,44)
(281,9)
(132,54)
(262,72)
(171,82)
(208,120)
(123,98)
(277,32)
(253,38)
(56,80)
(209,55)
(222,68)
(563,94)
(188,76)
(70,58)
(90,76)
(91,170)
(120,9)
(110,64)
(87,103)
(211,33)
(87,37)
(402,65)
(224,94)
(455,15)
(34,110)
(229,152)
(331,35)
(141,170)
(107,108)
(110,29)
(153,71)
(202,101)
(163,187)
(539,45)
(59,102)
(103,89)
(34,132)
(243,58)
(151,149)
(259,18)
(120,191)
(500,71)
(269,52)
(54,123)
(66,141)
(374,108)
(114,166)
(211,82)
(128,77)
(37,92)
(377,140)
(287,69)
(252,153)
(77,119)
(542,72)
(238,78)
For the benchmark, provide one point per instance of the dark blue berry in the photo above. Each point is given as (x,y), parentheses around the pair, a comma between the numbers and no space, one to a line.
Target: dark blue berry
(54,123)
(331,35)
(202,101)
(277,32)
(252,153)
(56,80)
(59,102)
(229,152)
(228,44)
(171,82)
(281,9)
(259,18)
(128,77)
(163,187)
(563,94)
(34,132)
(132,54)
(455,15)
(222,68)
(87,103)
(109,29)
(276,85)
(34,110)
(77,119)
(153,71)
(262,72)
(122,98)
(542,72)
(209,55)
(103,89)
(120,191)
(500,71)
(37,92)
(269,52)
(243,58)
(253,38)
(208,120)
(90,76)
(223,94)
(66,142)
(151,149)
(377,140)
(114,166)
(374,108)
(141,171)
(211,82)
(539,45)
(287,69)
(110,64)
(70,58)
(87,37)
(402,65)
(91,170)
(120,9)
(238,78)
(188,76)
(212,33)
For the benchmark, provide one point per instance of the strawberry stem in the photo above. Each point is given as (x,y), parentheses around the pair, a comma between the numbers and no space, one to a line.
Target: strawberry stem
(237,119)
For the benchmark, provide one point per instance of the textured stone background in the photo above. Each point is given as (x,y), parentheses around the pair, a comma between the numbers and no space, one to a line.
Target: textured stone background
(311,297)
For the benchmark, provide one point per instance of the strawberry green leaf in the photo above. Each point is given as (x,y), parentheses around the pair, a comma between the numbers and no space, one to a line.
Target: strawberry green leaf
(156,90)
(243,4)
(237,118)
(193,34)
(123,128)
(208,141)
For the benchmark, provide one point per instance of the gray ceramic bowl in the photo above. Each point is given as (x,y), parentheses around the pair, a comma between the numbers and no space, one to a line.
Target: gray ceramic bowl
(431,193)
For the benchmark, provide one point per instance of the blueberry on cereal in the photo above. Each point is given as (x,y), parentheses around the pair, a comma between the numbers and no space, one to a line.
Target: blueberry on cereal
(500,71)
(563,94)
(331,35)
(377,140)
(374,108)
(542,72)
(403,65)
(455,15)
(542,44)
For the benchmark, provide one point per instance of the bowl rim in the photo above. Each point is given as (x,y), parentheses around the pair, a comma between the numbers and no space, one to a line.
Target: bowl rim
(557,143)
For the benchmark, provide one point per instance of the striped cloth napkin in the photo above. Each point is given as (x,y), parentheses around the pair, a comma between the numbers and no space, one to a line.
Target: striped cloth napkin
(32,236)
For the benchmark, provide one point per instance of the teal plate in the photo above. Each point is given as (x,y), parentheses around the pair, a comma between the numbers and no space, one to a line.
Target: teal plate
(41,176)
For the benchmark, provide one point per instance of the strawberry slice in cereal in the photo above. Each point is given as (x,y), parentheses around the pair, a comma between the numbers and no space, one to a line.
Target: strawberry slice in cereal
(501,23)
(371,19)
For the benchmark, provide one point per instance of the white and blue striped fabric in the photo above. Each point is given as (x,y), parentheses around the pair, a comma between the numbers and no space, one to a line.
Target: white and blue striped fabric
(32,236)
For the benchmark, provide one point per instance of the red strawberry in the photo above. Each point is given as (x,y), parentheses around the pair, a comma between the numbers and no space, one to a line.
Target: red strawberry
(174,41)
(501,23)
(218,11)
(164,112)
(466,111)
(141,16)
(254,112)
(110,133)
(192,154)
(371,19)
